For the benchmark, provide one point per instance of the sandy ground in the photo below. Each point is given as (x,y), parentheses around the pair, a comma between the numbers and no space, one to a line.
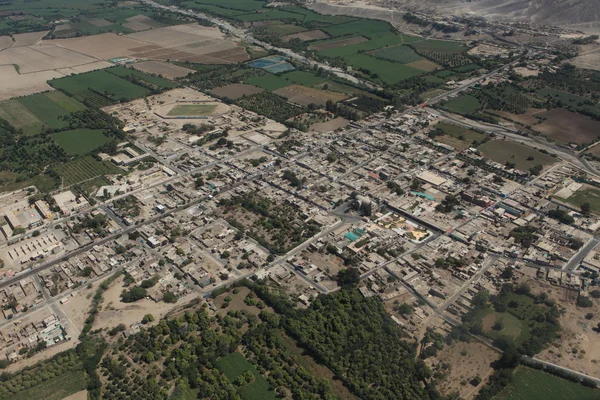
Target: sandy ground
(82,395)
(14,85)
(466,360)
(27,39)
(114,312)
(576,332)
(323,127)
(167,70)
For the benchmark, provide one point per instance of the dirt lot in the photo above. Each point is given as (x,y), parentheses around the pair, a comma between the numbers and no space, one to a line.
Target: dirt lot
(304,96)
(298,98)
(236,91)
(323,127)
(114,312)
(237,302)
(339,43)
(466,360)
(502,151)
(306,36)
(577,332)
(565,126)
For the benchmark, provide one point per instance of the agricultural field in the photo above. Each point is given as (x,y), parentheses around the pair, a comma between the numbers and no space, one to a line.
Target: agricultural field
(102,82)
(85,168)
(56,388)
(400,54)
(268,82)
(270,105)
(16,114)
(532,384)
(503,151)
(235,365)
(446,53)
(303,78)
(458,137)
(80,141)
(45,109)
(308,36)
(235,91)
(564,126)
(161,83)
(367,27)
(463,104)
(387,71)
(161,68)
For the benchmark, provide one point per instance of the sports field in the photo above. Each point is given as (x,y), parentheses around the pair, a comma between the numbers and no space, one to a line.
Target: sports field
(189,110)
(80,141)
(532,384)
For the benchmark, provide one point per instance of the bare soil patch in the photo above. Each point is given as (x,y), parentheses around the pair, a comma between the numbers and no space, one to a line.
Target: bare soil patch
(465,361)
(339,43)
(565,126)
(304,96)
(306,36)
(82,395)
(323,127)
(236,91)
(578,347)
(298,98)
(167,70)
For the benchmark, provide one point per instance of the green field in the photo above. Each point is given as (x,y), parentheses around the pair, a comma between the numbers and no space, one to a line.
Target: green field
(20,117)
(460,133)
(310,16)
(68,103)
(502,151)
(45,109)
(463,104)
(283,29)
(56,388)
(532,384)
(400,54)
(268,82)
(80,141)
(366,27)
(513,327)
(439,46)
(85,168)
(588,195)
(192,110)
(234,365)
(268,15)
(350,49)
(243,5)
(153,80)
(303,78)
(388,72)
(103,82)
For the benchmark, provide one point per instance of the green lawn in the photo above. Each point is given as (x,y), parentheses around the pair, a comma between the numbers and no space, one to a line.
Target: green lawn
(236,364)
(268,82)
(464,104)
(56,388)
(80,141)
(513,327)
(532,384)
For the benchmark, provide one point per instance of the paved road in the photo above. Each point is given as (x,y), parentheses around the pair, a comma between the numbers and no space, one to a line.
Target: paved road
(576,260)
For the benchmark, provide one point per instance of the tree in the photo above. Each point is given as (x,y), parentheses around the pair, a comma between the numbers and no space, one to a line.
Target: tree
(507,273)
(595,293)
(147,319)
(586,208)
(584,302)
(169,297)
(134,294)
(348,277)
